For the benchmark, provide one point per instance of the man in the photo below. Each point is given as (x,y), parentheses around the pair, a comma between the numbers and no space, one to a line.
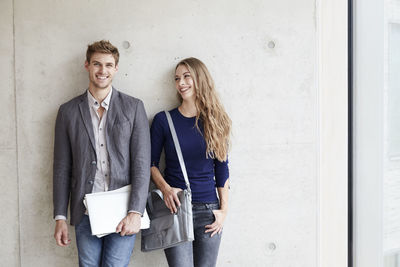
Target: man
(102,143)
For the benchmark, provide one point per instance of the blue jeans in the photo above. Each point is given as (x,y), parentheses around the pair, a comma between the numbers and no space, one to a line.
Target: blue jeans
(203,251)
(111,250)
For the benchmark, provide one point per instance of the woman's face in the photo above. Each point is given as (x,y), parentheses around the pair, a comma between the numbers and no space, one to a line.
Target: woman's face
(184,83)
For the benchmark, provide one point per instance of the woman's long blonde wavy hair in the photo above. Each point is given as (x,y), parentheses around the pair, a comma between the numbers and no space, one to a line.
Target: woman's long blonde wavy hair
(216,122)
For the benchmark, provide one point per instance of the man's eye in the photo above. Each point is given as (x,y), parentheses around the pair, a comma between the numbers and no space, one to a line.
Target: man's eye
(176,79)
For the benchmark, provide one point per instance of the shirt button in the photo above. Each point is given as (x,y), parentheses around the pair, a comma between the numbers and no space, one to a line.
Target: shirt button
(90,182)
(101,145)
(104,162)
(93,162)
(106,175)
(100,129)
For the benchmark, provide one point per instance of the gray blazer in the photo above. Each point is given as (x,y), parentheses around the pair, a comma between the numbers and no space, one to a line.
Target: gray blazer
(128,144)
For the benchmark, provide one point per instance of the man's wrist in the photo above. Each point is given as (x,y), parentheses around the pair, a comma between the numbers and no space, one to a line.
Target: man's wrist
(60,217)
(132,212)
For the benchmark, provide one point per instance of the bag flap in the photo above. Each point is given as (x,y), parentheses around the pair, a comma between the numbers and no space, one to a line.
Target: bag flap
(162,223)
(156,206)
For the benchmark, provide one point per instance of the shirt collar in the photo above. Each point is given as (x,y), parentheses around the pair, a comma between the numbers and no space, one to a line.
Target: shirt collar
(95,104)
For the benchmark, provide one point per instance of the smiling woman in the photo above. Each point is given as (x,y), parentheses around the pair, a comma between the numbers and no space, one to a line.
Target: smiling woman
(184,82)
(203,130)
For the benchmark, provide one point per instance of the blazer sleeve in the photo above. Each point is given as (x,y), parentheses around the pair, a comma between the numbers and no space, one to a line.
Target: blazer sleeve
(157,136)
(140,160)
(62,166)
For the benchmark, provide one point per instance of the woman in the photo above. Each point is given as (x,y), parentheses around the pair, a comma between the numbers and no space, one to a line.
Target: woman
(203,130)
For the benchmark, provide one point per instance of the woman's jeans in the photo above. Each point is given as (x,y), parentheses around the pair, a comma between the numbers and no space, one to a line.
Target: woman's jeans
(203,251)
(110,250)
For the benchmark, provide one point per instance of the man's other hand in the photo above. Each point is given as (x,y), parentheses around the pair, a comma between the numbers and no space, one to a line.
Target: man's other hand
(61,233)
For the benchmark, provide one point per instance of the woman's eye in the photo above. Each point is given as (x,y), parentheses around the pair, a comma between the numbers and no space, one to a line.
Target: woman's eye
(176,79)
(187,76)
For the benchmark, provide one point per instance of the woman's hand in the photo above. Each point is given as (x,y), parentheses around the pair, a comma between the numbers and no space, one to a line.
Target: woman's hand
(171,198)
(217,225)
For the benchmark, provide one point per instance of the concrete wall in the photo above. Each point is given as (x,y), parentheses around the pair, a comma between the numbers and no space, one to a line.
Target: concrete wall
(9,208)
(262,54)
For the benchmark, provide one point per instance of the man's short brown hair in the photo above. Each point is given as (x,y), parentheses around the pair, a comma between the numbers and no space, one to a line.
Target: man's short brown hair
(104,47)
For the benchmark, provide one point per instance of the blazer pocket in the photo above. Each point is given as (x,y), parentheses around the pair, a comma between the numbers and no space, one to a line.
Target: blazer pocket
(122,130)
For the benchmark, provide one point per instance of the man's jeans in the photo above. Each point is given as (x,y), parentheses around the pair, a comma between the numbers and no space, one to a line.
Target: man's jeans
(203,251)
(110,250)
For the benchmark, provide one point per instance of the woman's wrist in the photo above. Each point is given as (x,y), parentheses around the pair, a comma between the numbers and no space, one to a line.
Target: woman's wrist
(165,187)
(224,210)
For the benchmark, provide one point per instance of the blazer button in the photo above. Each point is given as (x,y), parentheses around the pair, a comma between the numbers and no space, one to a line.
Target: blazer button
(93,162)
(90,182)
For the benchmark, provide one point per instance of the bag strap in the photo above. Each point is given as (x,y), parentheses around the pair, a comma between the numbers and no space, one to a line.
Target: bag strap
(178,150)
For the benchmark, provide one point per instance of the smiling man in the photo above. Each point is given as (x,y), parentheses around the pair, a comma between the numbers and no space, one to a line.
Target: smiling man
(102,143)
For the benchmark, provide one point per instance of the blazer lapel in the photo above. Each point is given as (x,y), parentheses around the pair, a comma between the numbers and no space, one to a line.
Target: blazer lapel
(87,120)
(112,112)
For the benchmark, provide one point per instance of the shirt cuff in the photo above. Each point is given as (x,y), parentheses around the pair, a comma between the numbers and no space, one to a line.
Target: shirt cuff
(60,217)
(134,211)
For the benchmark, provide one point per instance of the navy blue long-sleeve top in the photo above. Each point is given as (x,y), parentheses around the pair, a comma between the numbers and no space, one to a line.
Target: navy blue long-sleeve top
(205,173)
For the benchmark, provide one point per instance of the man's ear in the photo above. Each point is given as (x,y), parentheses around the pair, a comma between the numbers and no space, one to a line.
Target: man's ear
(86,65)
(116,68)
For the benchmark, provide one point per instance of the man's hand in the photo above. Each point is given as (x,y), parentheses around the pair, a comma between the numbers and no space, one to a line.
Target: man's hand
(129,225)
(61,233)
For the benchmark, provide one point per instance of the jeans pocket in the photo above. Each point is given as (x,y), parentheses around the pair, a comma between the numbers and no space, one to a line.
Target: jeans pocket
(211,207)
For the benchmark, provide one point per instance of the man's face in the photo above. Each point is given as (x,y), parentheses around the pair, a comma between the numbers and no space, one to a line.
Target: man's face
(101,70)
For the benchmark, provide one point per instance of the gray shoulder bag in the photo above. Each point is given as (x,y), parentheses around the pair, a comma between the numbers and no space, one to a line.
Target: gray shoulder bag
(166,229)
